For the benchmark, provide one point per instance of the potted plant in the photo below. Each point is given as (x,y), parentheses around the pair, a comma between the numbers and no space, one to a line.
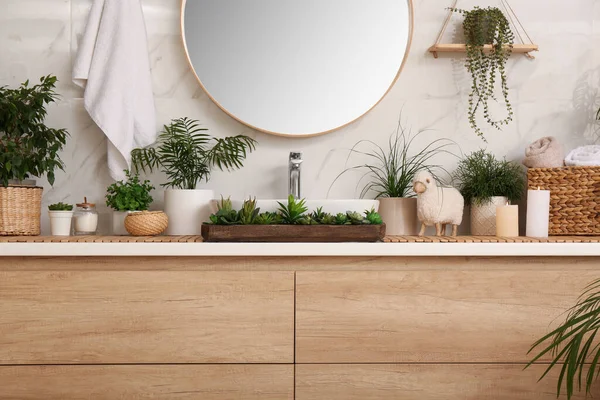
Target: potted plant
(391,171)
(486,183)
(125,197)
(573,345)
(28,148)
(61,215)
(487,26)
(187,156)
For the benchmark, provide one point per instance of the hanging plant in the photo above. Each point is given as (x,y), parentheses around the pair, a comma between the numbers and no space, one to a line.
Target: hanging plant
(487,26)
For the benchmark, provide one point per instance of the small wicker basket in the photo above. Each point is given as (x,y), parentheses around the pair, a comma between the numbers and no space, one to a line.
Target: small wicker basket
(146,223)
(574,198)
(20,210)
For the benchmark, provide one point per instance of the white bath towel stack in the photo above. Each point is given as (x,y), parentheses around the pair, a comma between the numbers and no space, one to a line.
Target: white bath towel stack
(584,156)
(113,67)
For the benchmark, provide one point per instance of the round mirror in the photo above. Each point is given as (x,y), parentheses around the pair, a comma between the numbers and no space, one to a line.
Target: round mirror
(297,68)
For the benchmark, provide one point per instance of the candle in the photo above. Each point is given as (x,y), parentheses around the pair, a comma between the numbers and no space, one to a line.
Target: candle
(507,220)
(538,213)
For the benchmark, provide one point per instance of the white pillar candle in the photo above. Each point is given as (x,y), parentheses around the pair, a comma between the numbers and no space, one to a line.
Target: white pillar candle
(507,221)
(538,213)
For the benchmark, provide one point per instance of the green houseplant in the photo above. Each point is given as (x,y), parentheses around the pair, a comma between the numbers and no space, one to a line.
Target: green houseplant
(28,148)
(487,26)
(187,155)
(574,345)
(61,215)
(486,182)
(390,171)
(127,196)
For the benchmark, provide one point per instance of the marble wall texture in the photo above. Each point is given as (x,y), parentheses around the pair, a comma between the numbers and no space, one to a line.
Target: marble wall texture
(555,94)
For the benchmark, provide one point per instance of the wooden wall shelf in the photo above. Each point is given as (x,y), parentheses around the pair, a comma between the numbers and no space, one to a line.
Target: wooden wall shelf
(462,48)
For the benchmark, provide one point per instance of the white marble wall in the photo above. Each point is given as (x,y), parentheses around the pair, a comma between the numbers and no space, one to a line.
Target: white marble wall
(555,94)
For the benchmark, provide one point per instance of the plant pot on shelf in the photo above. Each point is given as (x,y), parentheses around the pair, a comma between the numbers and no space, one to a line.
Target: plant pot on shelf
(187,210)
(60,222)
(118,223)
(146,223)
(399,215)
(20,209)
(483,216)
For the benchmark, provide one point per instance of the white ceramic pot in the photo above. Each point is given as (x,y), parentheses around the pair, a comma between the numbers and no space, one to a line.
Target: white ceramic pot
(60,222)
(118,223)
(187,210)
(483,216)
(399,215)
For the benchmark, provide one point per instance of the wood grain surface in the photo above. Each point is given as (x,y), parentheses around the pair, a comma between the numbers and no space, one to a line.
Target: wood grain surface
(425,382)
(224,263)
(388,239)
(428,316)
(134,382)
(293,233)
(146,317)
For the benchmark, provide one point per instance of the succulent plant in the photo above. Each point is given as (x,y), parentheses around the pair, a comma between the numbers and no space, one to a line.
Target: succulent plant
(341,219)
(356,218)
(328,219)
(225,214)
(266,218)
(293,212)
(373,217)
(318,214)
(60,207)
(249,212)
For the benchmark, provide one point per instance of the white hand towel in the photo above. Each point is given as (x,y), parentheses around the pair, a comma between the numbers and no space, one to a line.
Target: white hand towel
(584,156)
(113,67)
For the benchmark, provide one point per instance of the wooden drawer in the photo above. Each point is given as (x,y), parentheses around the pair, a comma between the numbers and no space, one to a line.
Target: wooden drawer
(165,382)
(428,316)
(146,317)
(424,382)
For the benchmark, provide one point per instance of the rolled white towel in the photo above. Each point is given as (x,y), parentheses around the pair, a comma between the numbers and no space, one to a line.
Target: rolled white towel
(584,156)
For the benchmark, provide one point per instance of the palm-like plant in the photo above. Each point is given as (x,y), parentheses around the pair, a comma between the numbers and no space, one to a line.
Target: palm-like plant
(187,155)
(572,345)
(391,170)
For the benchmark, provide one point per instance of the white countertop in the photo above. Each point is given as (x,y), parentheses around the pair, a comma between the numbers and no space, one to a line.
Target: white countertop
(300,249)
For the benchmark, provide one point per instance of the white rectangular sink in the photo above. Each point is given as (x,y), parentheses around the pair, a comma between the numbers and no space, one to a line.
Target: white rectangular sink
(329,206)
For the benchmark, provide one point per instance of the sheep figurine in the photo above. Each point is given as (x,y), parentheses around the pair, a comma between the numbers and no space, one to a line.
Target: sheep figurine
(437,206)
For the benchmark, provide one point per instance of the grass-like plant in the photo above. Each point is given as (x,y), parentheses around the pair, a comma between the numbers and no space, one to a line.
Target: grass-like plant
(60,207)
(391,170)
(27,146)
(187,155)
(131,195)
(487,26)
(480,176)
(574,345)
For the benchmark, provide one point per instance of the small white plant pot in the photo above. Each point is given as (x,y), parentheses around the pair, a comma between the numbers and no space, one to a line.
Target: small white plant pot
(483,216)
(187,210)
(118,223)
(60,222)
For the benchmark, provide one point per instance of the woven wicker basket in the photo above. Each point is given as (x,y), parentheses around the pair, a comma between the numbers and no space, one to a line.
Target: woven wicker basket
(20,210)
(146,223)
(574,198)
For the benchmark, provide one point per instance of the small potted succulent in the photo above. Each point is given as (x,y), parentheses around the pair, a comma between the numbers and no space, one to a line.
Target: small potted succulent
(125,197)
(486,183)
(61,215)
(28,148)
(391,171)
(187,155)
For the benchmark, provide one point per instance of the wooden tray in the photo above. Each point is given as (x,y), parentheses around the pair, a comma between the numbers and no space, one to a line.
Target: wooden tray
(293,233)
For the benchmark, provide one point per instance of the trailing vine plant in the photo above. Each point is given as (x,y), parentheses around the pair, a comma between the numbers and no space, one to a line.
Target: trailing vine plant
(487,26)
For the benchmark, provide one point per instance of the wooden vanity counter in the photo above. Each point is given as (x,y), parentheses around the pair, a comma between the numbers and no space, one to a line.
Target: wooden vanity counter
(174,318)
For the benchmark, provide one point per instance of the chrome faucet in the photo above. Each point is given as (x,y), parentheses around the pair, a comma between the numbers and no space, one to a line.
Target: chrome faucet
(294,174)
